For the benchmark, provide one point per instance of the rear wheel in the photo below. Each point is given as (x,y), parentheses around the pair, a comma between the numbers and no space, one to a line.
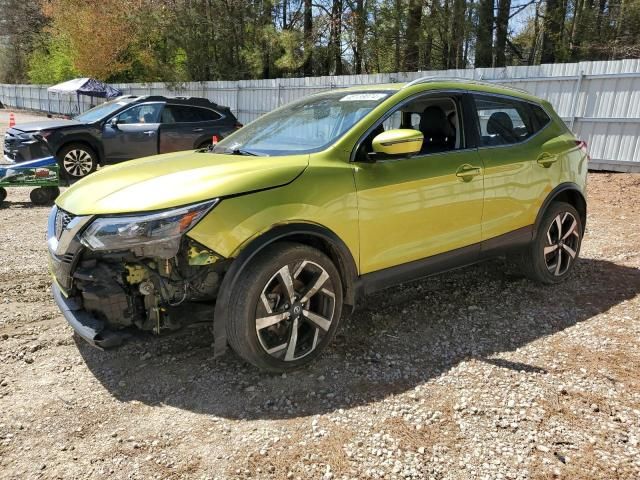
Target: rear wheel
(285,308)
(552,255)
(77,161)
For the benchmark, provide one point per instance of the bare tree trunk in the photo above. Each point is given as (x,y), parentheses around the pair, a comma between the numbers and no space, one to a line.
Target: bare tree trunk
(484,41)
(445,34)
(398,7)
(359,33)
(457,34)
(575,21)
(552,32)
(412,47)
(428,43)
(536,35)
(502,29)
(308,38)
(336,36)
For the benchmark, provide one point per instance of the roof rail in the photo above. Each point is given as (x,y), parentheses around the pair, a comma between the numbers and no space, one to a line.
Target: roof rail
(432,78)
(122,97)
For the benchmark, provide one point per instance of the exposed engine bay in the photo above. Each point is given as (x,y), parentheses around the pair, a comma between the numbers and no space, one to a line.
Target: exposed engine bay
(154,290)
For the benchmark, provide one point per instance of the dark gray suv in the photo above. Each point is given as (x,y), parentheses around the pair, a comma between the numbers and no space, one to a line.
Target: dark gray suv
(121,129)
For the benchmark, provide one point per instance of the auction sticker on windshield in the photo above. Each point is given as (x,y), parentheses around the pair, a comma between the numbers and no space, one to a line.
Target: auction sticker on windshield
(359,97)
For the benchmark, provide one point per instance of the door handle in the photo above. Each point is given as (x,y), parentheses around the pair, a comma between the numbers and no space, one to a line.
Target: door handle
(467,172)
(198,130)
(149,133)
(547,159)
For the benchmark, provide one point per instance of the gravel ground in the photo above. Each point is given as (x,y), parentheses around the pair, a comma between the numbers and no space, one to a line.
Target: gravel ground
(475,374)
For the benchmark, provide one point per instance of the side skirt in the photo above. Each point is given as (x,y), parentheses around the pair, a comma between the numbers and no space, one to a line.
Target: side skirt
(444,262)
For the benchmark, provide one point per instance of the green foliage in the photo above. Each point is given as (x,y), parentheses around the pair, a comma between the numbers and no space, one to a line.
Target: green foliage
(191,40)
(51,61)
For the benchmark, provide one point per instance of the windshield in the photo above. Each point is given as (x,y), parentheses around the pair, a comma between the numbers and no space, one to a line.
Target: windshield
(100,112)
(306,126)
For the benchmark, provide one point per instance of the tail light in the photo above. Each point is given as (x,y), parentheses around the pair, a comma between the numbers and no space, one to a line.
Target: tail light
(582,145)
(214,140)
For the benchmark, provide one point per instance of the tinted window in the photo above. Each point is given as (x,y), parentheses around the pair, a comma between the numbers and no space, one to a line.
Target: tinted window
(141,114)
(542,119)
(186,114)
(505,121)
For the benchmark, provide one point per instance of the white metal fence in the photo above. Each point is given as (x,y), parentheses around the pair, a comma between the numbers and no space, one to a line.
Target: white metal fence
(600,101)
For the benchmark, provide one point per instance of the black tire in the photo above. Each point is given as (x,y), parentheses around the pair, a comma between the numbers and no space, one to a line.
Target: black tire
(551,257)
(3,194)
(76,161)
(52,192)
(262,346)
(40,196)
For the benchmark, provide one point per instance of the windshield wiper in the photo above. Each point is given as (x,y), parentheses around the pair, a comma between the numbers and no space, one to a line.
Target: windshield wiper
(239,151)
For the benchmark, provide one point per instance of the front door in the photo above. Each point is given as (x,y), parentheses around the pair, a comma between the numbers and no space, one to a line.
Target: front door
(415,207)
(134,135)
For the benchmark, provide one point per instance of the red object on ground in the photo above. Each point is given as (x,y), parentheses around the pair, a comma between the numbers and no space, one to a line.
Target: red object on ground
(12,120)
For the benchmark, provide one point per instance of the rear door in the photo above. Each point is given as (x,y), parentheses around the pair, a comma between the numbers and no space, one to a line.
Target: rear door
(512,135)
(134,135)
(185,127)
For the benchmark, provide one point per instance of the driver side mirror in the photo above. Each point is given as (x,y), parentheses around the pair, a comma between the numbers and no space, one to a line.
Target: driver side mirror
(397,142)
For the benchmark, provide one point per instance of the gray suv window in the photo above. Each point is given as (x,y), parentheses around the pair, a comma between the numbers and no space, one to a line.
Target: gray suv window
(145,113)
(185,114)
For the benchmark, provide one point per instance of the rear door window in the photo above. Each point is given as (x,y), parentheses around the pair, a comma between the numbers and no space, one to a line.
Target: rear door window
(506,121)
(186,114)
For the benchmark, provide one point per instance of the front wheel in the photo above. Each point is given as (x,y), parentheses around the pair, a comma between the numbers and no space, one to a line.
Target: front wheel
(3,194)
(554,251)
(77,161)
(285,308)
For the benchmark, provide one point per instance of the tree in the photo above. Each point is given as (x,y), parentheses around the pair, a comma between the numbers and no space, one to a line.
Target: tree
(502,30)
(552,36)
(484,42)
(412,48)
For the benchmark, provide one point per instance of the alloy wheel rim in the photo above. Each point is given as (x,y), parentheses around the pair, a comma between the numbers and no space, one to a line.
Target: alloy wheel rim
(563,240)
(77,162)
(295,311)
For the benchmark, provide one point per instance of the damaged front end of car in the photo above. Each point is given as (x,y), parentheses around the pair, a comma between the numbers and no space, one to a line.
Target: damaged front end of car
(115,274)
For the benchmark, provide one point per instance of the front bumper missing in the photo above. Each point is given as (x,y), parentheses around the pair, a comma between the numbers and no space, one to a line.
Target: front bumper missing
(88,327)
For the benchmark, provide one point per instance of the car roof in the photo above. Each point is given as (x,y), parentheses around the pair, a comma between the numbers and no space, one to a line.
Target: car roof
(449,83)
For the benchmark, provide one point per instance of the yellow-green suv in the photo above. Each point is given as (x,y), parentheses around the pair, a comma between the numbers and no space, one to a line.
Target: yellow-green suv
(274,233)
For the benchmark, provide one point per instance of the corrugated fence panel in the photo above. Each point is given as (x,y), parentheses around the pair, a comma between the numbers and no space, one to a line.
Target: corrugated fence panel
(600,100)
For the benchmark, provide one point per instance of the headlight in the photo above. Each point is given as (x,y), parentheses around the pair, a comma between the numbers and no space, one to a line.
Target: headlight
(26,138)
(126,231)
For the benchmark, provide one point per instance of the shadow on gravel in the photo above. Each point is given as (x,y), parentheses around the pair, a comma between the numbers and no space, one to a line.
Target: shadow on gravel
(397,340)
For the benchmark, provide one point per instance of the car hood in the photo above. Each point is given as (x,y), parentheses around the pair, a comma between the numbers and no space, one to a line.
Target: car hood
(174,179)
(45,124)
